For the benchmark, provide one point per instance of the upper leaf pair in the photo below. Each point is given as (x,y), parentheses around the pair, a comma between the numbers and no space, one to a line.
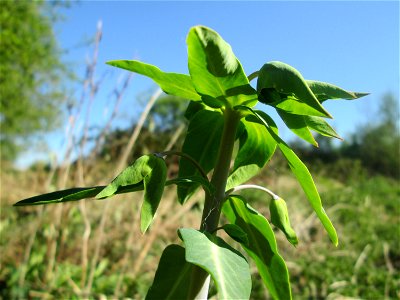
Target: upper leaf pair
(298,101)
(216,75)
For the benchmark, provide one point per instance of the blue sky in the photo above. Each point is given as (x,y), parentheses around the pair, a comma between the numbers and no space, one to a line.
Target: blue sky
(351,44)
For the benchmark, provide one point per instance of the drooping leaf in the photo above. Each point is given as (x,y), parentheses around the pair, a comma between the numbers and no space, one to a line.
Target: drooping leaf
(324,91)
(297,124)
(201,143)
(154,184)
(227,267)
(321,126)
(172,278)
(133,174)
(280,218)
(216,73)
(262,247)
(171,83)
(301,126)
(280,80)
(152,171)
(236,233)
(256,147)
(74,194)
(303,177)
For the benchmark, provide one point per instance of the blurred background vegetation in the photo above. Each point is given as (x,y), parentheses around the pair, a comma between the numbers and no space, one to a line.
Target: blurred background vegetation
(94,249)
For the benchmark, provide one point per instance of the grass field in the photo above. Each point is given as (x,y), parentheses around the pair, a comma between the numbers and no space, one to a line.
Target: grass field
(94,249)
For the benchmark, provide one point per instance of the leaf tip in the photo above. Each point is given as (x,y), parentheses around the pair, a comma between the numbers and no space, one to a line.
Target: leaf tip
(359,95)
(111,63)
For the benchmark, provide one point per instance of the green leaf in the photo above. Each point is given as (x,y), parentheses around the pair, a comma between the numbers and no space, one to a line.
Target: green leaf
(227,267)
(172,278)
(301,126)
(171,83)
(236,233)
(133,174)
(193,181)
(154,184)
(216,73)
(297,124)
(321,126)
(262,247)
(304,178)
(324,91)
(74,194)
(150,169)
(277,80)
(292,105)
(256,148)
(280,218)
(201,143)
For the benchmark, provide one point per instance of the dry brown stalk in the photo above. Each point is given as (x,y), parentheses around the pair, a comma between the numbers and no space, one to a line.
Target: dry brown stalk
(135,134)
(28,248)
(120,167)
(119,96)
(175,137)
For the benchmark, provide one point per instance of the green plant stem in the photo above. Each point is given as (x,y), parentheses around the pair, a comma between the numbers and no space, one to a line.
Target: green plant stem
(188,157)
(251,186)
(213,202)
(253,75)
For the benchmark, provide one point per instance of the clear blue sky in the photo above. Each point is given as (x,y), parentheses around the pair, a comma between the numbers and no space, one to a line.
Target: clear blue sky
(351,44)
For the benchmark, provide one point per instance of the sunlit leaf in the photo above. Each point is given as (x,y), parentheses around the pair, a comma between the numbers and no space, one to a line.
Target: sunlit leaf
(301,126)
(150,169)
(133,174)
(262,247)
(321,126)
(292,105)
(154,184)
(172,278)
(297,124)
(256,148)
(216,73)
(276,80)
(171,83)
(227,267)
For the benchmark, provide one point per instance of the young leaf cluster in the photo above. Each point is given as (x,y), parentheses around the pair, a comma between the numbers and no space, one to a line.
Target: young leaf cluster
(220,113)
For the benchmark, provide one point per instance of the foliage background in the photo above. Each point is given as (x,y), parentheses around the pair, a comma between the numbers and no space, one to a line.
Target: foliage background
(32,74)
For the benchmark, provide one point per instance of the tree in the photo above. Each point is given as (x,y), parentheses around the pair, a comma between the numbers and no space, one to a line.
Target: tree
(377,144)
(32,75)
